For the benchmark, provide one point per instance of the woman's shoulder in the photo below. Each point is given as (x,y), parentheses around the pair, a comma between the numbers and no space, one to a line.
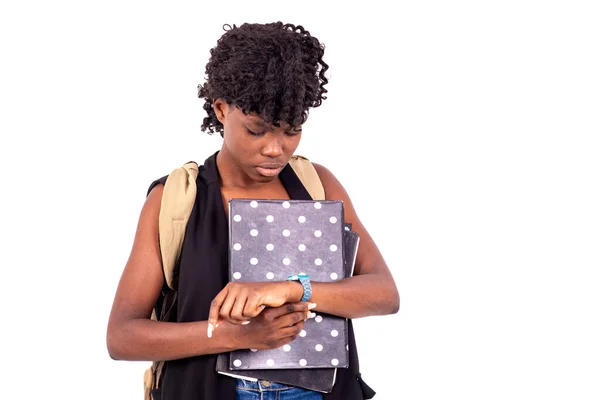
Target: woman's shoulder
(157,182)
(327,177)
(334,190)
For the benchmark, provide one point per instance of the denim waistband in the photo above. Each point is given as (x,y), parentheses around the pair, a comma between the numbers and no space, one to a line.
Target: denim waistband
(261,385)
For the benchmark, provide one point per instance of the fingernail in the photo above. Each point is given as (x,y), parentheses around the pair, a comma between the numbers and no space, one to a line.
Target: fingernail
(245,322)
(210,329)
(311,315)
(312,305)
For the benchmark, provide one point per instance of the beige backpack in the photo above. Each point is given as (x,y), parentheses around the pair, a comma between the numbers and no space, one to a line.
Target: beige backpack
(178,199)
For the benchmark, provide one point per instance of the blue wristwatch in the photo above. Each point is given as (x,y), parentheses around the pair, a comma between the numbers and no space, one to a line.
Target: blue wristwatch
(305,282)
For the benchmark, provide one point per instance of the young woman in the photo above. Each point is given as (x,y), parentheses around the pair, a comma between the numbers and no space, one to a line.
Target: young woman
(261,81)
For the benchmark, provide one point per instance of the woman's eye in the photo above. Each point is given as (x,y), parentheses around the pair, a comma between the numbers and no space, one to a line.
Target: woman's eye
(255,133)
(293,133)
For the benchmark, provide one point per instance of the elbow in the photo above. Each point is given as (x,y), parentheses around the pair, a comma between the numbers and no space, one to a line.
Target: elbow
(388,299)
(395,307)
(114,353)
(114,344)
(394,303)
(388,303)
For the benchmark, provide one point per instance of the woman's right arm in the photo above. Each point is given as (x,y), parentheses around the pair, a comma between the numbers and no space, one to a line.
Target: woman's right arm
(131,334)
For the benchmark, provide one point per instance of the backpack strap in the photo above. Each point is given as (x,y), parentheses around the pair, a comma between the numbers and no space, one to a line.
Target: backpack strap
(178,199)
(308,176)
(179,195)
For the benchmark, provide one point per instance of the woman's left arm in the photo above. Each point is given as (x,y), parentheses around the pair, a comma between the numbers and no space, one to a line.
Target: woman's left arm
(371,290)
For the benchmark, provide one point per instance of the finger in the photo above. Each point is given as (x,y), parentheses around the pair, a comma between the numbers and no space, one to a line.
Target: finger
(253,308)
(293,318)
(292,331)
(277,312)
(294,307)
(237,311)
(227,306)
(215,308)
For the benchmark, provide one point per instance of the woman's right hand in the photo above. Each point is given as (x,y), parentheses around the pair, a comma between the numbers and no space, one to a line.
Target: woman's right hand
(275,326)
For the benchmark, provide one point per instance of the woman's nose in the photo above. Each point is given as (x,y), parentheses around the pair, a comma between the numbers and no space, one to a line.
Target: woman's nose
(273,147)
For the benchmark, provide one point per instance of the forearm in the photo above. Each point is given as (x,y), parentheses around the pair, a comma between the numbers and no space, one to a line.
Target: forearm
(354,297)
(148,340)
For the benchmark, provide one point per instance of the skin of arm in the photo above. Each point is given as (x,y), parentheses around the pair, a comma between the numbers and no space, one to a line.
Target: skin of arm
(132,335)
(370,291)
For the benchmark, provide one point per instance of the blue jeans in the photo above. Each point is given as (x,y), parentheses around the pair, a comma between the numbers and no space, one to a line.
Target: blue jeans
(267,390)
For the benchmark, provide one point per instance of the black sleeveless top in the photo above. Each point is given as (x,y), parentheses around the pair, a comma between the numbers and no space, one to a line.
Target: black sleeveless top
(203,272)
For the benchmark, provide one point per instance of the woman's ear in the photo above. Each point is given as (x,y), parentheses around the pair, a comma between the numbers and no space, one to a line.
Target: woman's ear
(221,108)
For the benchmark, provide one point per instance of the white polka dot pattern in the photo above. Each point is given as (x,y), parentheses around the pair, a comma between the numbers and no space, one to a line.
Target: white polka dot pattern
(272,239)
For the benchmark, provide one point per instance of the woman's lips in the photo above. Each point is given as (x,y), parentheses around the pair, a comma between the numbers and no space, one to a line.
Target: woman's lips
(269,171)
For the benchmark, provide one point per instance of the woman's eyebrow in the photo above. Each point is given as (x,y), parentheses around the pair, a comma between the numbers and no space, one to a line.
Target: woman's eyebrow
(260,123)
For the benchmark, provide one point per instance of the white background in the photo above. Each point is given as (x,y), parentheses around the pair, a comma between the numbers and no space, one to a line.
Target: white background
(465,132)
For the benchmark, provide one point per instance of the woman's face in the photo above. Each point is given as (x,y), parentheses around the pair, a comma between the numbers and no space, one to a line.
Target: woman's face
(259,149)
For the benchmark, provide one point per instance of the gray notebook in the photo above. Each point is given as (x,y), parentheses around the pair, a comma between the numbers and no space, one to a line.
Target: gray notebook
(318,379)
(272,239)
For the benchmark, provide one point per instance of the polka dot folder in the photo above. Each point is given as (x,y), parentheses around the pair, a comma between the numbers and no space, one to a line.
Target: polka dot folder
(273,239)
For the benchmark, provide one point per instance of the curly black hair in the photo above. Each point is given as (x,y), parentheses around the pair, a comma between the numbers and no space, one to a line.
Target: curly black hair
(274,70)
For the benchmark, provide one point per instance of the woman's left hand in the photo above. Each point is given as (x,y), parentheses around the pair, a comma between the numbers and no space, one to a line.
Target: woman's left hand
(238,302)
